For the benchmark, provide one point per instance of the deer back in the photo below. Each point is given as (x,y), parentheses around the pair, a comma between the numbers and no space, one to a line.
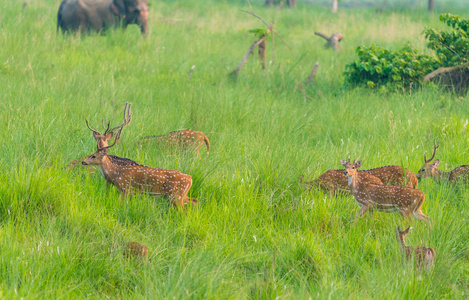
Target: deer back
(336,181)
(394,175)
(461,173)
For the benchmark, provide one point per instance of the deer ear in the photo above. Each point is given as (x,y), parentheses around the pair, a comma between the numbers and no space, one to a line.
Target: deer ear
(96,135)
(358,164)
(429,254)
(108,136)
(436,163)
(343,162)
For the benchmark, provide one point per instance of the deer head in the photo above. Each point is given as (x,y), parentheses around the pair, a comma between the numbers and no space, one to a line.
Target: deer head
(102,139)
(98,157)
(429,169)
(351,168)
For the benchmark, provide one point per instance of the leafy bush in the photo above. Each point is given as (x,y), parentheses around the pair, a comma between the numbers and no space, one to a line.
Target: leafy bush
(451,47)
(385,69)
(388,69)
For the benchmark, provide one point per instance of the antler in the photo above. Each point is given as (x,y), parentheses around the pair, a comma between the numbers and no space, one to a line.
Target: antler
(92,129)
(127,118)
(355,161)
(117,137)
(434,152)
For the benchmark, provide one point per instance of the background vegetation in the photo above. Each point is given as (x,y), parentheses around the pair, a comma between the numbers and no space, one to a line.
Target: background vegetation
(256,234)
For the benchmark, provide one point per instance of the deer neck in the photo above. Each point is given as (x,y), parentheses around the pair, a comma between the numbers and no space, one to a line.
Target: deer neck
(401,241)
(353,182)
(439,176)
(108,169)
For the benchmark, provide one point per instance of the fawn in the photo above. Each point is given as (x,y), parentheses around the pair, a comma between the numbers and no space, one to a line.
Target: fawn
(429,169)
(102,141)
(423,255)
(407,201)
(185,138)
(127,179)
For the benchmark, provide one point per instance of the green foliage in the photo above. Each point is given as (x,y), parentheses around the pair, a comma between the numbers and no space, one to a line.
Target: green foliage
(451,46)
(259,32)
(386,69)
(257,234)
(389,69)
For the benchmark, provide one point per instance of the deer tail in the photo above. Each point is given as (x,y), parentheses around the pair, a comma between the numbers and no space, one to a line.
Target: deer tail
(207,143)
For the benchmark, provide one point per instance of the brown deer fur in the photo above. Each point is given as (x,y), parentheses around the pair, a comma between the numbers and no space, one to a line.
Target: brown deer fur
(423,255)
(185,138)
(135,250)
(430,169)
(407,201)
(334,181)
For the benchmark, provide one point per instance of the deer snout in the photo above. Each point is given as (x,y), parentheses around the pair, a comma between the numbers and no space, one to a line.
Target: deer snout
(84,163)
(345,173)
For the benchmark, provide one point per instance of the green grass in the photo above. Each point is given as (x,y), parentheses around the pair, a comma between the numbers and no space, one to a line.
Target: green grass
(256,233)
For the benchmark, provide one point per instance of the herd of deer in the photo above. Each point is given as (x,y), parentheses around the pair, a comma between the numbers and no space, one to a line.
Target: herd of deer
(389,188)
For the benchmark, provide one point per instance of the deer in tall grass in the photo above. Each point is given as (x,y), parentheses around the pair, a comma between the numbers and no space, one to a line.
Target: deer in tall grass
(335,181)
(102,140)
(185,139)
(406,201)
(423,256)
(129,179)
(430,169)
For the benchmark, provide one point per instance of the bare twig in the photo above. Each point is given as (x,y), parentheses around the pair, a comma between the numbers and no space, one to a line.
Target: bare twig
(332,41)
(245,58)
(190,72)
(251,13)
(275,31)
(312,75)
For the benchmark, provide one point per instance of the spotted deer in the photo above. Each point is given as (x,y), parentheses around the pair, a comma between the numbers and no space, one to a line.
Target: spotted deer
(129,179)
(423,256)
(185,138)
(335,181)
(102,141)
(430,169)
(407,201)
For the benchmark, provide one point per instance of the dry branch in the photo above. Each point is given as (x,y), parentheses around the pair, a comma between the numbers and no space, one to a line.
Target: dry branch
(442,70)
(332,41)
(312,75)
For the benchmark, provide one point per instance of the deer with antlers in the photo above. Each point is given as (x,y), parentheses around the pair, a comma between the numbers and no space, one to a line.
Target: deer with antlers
(430,169)
(335,181)
(102,140)
(407,201)
(423,255)
(185,138)
(137,178)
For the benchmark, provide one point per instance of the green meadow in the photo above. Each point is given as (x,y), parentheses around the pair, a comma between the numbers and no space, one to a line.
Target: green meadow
(256,233)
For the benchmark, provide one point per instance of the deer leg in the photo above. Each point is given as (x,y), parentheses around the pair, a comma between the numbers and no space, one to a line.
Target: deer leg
(420,216)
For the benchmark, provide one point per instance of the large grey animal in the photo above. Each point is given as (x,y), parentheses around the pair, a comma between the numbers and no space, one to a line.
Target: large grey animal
(86,15)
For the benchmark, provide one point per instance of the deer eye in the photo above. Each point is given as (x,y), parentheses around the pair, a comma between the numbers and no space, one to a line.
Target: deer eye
(94,156)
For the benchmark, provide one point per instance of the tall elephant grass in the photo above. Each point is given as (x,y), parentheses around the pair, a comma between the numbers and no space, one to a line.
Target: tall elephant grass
(256,233)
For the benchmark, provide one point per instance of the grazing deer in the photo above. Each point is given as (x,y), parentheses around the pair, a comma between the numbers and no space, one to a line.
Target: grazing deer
(407,201)
(423,255)
(335,181)
(102,141)
(185,138)
(430,169)
(128,179)
(135,250)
